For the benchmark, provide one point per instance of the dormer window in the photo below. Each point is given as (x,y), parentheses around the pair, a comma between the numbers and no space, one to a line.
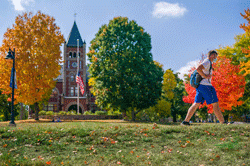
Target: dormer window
(74,55)
(70,54)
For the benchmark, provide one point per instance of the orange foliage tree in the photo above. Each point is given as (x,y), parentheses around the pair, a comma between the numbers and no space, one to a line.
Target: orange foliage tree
(37,40)
(228,84)
(246,65)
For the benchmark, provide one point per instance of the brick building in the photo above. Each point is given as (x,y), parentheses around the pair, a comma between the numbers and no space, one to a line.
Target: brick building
(64,95)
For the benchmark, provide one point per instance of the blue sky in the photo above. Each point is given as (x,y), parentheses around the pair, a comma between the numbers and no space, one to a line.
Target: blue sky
(180,30)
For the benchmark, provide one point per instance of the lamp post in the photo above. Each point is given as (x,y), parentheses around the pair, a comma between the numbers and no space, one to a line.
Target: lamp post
(11,55)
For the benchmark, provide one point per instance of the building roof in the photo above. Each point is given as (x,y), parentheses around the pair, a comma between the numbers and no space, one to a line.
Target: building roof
(73,36)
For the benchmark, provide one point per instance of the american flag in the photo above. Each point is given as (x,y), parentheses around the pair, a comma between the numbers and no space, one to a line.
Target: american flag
(80,82)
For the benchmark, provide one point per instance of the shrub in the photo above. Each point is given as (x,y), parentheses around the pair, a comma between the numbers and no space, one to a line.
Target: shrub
(1,118)
(62,113)
(117,113)
(71,112)
(87,113)
(49,113)
(100,113)
(110,112)
(42,112)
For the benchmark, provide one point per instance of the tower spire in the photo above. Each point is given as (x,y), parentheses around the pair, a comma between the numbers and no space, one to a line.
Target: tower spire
(73,36)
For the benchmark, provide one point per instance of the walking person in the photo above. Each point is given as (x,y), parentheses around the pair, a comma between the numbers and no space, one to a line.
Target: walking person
(205,90)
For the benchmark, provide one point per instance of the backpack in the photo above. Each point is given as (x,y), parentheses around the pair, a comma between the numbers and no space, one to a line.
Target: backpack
(196,78)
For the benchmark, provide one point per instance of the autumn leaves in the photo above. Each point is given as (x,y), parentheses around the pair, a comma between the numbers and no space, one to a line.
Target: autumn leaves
(37,40)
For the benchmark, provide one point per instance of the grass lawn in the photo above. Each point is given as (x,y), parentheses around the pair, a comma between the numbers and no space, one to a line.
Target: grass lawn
(113,143)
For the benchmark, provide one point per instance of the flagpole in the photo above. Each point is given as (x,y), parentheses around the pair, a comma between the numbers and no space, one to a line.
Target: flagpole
(78,73)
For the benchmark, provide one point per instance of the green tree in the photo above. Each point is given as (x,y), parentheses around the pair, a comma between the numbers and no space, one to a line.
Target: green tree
(122,72)
(178,106)
(173,90)
(168,85)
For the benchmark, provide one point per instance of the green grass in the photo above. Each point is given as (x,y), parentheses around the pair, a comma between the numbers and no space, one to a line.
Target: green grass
(95,143)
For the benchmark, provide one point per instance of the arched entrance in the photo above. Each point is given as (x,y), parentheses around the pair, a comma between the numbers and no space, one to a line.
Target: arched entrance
(74,108)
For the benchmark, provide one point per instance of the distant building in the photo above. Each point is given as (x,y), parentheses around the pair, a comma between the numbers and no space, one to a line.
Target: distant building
(64,95)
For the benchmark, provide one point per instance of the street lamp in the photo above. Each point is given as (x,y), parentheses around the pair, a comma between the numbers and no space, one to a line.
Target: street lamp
(11,55)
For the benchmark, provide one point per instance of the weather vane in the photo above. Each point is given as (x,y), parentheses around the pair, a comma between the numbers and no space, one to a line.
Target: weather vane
(75,16)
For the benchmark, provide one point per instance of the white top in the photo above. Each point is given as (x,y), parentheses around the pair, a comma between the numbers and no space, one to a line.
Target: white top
(206,64)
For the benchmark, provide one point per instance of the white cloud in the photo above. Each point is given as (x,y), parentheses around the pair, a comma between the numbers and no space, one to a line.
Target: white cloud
(164,9)
(185,69)
(18,4)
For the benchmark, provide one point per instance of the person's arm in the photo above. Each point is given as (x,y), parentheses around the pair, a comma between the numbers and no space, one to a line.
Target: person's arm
(199,70)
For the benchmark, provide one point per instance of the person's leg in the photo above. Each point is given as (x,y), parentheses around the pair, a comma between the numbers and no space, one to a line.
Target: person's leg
(191,111)
(217,112)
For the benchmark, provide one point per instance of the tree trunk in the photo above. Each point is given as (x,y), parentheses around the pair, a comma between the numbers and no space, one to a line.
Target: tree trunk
(226,118)
(21,112)
(174,115)
(7,114)
(36,111)
(133,114)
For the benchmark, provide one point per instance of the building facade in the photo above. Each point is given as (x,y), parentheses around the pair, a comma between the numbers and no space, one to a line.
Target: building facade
(64,95)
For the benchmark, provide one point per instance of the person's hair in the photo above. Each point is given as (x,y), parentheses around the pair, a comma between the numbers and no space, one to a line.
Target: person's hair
(211,52)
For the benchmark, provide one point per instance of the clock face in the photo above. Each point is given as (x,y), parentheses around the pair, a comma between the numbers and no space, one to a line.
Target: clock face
(74,64)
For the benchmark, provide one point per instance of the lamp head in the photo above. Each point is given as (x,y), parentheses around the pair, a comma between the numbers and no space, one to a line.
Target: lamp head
(9,56)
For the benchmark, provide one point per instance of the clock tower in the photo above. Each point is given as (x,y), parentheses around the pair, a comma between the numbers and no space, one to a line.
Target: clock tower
(70,69)
(64,95)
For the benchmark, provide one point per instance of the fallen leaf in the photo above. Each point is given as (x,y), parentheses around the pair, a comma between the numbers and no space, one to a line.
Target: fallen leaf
(222,139)
(48,162)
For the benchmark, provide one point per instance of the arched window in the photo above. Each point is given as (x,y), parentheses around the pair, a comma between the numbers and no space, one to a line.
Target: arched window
(71,77)
(79,54)
(70,54)
(74,55)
